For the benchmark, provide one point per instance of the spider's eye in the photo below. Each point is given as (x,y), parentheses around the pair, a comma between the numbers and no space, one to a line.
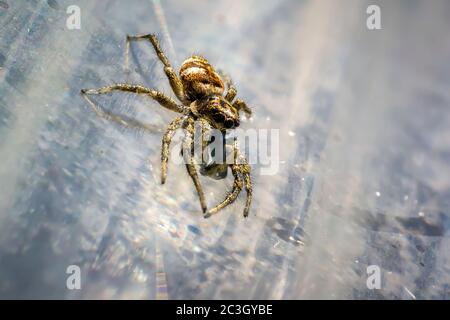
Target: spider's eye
(218,117)
(229,124)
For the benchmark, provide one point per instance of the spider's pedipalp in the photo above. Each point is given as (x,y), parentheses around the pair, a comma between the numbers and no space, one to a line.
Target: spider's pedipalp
(187,149)
(167,139)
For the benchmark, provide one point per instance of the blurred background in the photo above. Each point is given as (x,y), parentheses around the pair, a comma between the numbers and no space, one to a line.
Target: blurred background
(364,172)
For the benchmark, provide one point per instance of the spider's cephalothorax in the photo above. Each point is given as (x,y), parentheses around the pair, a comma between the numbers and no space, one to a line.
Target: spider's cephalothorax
(219,113)
(200,89)
(204,87)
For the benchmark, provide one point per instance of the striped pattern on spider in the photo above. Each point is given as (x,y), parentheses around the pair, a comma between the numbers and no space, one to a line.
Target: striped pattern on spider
(201,94)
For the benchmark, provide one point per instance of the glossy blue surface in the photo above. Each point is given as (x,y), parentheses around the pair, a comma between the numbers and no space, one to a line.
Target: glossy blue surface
(364,172)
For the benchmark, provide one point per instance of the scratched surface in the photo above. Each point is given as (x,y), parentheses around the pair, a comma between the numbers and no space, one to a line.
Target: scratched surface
(364,171)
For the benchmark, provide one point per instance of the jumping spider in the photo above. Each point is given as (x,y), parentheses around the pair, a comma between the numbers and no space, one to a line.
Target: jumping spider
(200,90)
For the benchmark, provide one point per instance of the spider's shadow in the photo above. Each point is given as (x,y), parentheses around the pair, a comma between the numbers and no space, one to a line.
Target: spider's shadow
(145,74)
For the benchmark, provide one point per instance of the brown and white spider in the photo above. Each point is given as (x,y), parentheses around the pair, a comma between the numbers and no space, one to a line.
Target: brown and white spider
(200,90)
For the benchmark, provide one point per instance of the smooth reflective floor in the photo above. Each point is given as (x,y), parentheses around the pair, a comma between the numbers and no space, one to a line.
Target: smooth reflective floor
(364,170)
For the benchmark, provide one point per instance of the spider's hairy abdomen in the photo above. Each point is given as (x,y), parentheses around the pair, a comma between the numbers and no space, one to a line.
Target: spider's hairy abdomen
(199,78)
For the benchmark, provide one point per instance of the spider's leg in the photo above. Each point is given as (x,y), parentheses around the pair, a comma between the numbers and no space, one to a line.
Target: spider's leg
(160,97)
(187,149)
(167,138)
(241,105)
(204,128)
(231,196)
(121,120)
(245,170)
(174,80)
